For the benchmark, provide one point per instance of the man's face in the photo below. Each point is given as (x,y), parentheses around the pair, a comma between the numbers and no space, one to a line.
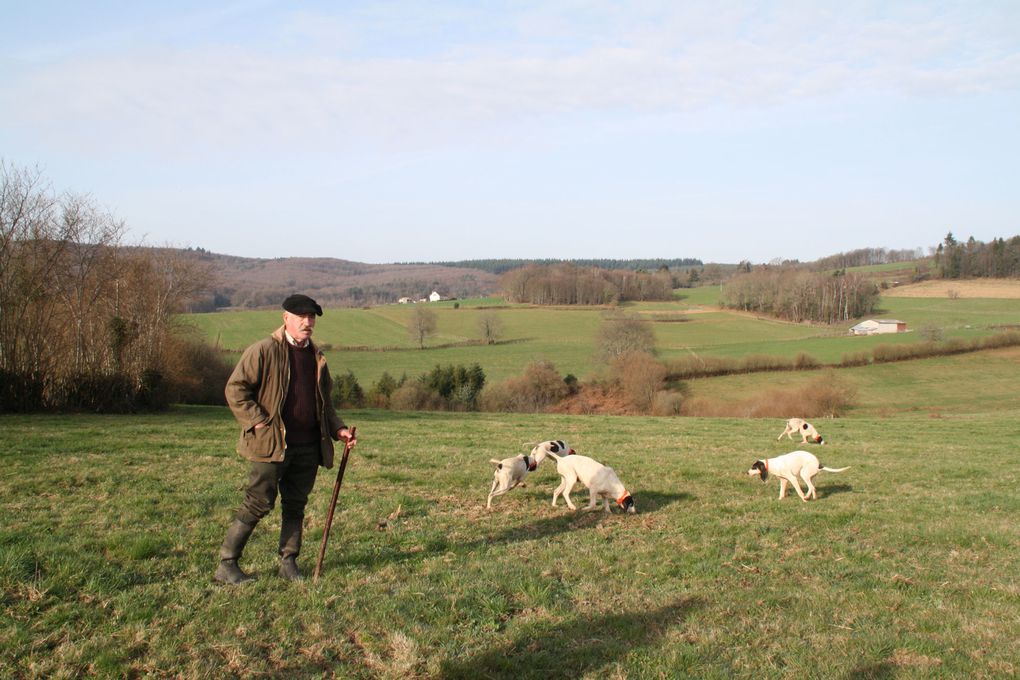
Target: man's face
(299,325)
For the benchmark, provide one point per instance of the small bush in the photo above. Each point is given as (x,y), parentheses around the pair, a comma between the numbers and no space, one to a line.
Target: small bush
(932,332)
(540,387)
(826,395)
(855,359)
(624,333)
(667,403)
(414,396)
(805,362)
(640,377)
(347,392)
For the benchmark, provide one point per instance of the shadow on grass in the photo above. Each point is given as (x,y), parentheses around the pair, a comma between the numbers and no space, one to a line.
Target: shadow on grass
(653,501)
(530,530)
(832,490)
(573,648)
(875,671)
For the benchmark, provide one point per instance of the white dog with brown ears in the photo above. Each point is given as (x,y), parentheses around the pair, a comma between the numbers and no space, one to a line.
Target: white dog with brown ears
(510,472)
(601,481)
(808,433)
(790,466)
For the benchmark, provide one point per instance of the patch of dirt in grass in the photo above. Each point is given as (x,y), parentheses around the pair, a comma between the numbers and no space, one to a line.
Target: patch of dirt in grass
(943,288)
(595,400)
(905,657)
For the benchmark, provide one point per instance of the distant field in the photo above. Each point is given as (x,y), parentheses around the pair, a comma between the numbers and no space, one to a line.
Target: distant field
(983,382)
(566,336)
(973,288)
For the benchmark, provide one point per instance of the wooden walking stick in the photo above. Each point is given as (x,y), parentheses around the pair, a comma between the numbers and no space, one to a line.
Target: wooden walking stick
(332,503)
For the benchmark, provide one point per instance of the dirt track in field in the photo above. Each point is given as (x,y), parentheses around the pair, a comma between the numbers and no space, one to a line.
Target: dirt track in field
(978,288)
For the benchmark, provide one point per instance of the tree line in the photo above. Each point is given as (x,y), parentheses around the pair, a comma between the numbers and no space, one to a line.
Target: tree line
(961,260)
(862,257)
(795,294)
(568,284)
(84,322)
(503,265)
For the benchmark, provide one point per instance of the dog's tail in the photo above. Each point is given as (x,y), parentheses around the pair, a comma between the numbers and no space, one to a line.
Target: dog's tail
(829,469)
(497,463)
(556,457)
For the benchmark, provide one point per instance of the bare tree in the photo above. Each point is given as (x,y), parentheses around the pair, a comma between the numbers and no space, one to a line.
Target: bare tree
(491,327)
(421,325)
(623,333)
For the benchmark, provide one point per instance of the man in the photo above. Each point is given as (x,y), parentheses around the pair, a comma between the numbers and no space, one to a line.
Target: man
(280,393)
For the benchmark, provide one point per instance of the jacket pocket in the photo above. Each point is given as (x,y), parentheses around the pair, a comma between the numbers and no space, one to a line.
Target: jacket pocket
(260,441)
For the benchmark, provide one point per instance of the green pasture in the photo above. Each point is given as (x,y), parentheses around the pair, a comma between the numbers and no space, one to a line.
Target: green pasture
(371,341)
(905,566)
(962,384)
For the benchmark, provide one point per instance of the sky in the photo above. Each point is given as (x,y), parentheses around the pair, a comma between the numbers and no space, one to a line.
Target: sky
(430,131)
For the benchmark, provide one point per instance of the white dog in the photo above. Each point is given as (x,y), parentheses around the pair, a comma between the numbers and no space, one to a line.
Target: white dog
(601,481)
(788,467)
(808,433)
(510,472)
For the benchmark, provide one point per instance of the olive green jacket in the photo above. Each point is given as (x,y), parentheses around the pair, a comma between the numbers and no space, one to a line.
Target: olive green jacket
(255,393)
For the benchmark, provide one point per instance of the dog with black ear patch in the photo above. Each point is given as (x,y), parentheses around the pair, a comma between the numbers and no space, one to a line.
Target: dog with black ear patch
(510,472)
(808,433)
(790,466)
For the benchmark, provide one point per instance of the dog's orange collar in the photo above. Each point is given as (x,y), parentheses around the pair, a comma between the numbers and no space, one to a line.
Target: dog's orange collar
(766,461)
(621,499)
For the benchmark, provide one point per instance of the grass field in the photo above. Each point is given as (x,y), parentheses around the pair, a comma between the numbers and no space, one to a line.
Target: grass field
(371,341)
(905,567)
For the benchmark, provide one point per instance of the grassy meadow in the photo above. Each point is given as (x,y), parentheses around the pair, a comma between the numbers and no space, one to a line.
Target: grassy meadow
(371,341)
(905,566)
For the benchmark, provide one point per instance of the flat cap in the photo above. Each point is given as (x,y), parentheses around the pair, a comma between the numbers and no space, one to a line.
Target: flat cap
(302,305)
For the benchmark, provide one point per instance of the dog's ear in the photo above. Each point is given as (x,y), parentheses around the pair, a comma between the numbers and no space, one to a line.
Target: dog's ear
(554,447)
(760,467)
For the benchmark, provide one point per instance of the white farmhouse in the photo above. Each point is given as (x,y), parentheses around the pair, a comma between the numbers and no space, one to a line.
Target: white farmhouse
(405,300)
(876,326)
(435,297)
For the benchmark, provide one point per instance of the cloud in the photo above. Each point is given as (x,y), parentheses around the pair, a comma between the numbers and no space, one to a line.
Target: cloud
(408,75)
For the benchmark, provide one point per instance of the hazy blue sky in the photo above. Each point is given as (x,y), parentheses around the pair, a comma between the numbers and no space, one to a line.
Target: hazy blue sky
(397,131)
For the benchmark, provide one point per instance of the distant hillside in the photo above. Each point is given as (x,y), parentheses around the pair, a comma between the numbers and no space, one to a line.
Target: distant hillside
(252,283)
(502,265)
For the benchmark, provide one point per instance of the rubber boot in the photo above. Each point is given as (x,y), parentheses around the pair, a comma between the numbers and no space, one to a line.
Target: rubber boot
(290,546)
(237,537)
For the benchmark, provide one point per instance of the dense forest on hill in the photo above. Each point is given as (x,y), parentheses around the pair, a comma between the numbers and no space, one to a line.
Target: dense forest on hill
(974,259)
(503,265)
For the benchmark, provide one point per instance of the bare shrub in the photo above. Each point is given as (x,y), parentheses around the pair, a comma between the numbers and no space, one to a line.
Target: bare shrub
(623,333)
(1007,339)
(855,359)
(932,332)
(640,377)
(687,367)
(756,363)
(805,362)
(490,325)
(197,373)
(414,396)
(826,395)
(667,403)
(421,325)
(540,387)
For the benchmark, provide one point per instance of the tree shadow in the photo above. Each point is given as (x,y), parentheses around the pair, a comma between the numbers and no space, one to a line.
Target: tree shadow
(573,648)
